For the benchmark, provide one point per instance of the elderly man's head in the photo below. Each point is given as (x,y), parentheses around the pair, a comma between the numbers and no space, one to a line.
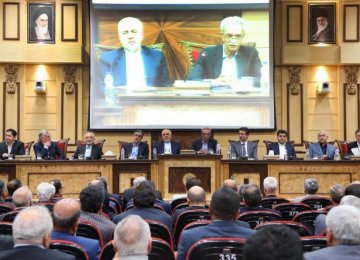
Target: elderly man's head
(230,184)
(65,215)
(166,135)
(232,30)
(196,196)
(89,137)
(270,185)
(322,136)
(132,237)
(311,186)
(130,31)
(336,193)
(22,197)
(33,226)
(45,192)
(321,19)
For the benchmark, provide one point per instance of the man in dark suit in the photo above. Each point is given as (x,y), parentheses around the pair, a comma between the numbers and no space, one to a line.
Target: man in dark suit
(342,235)
(355,145)
(205,144)
(166,146)
(134,65)
(244,149)
(65,215)
(223,211)
(10,145)
(285,150)
(89,150)
(137,149)
(48,149)
(32,235)
(230,61)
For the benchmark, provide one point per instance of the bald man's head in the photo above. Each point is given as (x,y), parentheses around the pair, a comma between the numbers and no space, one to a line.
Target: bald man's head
(65,215)
(22,197)
(230,184)
(196,196)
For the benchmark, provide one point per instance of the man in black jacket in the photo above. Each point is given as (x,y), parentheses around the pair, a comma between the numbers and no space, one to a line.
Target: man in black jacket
(10,145)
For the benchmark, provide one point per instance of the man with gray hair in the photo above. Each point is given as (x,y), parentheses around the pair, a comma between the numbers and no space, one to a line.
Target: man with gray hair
(45,192)
(32,235)
(128,193)
(229,61)
(21,198)
(342,235)
(311,186)
(206,144)
(132,238)
(270,187)
(48,149)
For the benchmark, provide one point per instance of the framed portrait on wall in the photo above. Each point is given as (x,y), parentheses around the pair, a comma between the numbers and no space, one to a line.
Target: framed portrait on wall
(41,22)
(322,23)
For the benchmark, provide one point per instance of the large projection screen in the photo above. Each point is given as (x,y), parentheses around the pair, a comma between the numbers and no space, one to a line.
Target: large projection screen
(180,33)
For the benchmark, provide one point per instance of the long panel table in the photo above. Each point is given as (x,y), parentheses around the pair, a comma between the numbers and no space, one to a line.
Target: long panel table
(170,173)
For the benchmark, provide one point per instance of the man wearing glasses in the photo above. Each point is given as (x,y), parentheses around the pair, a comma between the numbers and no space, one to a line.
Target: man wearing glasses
(137,149)
(229,61)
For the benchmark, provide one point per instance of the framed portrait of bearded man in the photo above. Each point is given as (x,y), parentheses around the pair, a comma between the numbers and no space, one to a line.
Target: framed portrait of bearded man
(41,22)
(322,23)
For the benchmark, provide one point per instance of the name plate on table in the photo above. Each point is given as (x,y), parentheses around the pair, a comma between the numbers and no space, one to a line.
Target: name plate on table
(355,157)
(23,157)
(108,157)
(271,157)
(187,152)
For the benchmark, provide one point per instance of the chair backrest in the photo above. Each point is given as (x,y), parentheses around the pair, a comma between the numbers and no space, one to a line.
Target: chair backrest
(307,218)
(63,144)
(159,230)
(271,202)
(10,216)
(6,207)
(27,145)
(216,248)
(296,226)
(176,202)
(48,205)
(89,230)
(69,247)
(160,249)
(99,142)
(181,206)
(312,243)
(186,217)
(316,202)
(257,217)
(343,148)
(115,204)
(290,209)
(107,252)
(6,228)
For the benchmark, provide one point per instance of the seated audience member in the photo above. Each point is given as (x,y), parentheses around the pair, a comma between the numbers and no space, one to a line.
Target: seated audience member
(132,239)
(252,199)
(32,235)
(11,145)
(342,235)
(223,210)
(354,147)
(274,243)
(166,146)
(322,149)
(196,198)
(282,148)
(128,193)
(2,191)
(45,192)
(106,204)
(65,217)
(48,149)
(21,198)
(311,186)
(11,187)
(353,189)
(144,200)
(244,149)
(191,182)
(137,149)
(205,144)
(230,184)
(270,187)
(91,200)
(7,242)
(336,194)
(89,150)
(58,190)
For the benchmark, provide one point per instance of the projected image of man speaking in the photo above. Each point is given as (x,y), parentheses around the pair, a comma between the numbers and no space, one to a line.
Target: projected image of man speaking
(231,60)
(134,65)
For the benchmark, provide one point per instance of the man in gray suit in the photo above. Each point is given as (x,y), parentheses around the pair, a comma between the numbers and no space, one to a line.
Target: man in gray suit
(322,149)
(342,235)
(244,149)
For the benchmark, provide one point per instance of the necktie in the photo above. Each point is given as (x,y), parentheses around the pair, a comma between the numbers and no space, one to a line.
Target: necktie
(243,151)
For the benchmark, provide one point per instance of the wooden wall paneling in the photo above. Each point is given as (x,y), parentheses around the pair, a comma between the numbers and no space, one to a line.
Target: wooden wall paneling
(351,23)
(11,110)
(69,22)
(294,23)
(69,114)
(295,118)
(11,21)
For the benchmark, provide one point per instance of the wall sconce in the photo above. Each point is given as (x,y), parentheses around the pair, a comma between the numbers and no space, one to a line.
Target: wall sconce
(40,87)
(323,88)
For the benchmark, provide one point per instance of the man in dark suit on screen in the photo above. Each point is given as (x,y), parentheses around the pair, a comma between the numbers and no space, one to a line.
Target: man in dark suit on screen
(137,149)
(205,144)
(10,145)
(229,61)
(89,150)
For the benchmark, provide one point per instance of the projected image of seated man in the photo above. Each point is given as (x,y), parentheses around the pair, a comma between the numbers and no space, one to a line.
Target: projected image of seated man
(134,65)
(230,61)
